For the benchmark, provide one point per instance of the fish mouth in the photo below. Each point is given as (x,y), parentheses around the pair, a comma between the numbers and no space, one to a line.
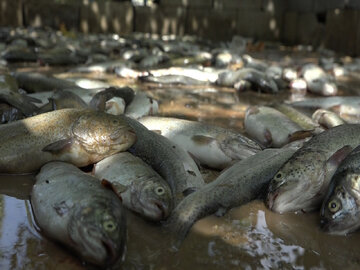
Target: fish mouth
(157,211)
(271,199)
(121,133)
(110,249)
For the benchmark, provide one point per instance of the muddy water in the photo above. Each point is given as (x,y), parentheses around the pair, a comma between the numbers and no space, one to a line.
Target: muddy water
(247,237)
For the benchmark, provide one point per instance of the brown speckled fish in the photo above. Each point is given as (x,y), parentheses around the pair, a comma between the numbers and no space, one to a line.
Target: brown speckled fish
(81,137)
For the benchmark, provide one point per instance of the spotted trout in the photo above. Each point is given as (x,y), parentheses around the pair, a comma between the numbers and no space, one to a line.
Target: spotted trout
(74,209)
(80,137)
(301,184)
(340,211)
(237,185)
(140,188)
(167,158)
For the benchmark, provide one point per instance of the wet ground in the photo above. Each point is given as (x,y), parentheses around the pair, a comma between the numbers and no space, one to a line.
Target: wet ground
(247,237)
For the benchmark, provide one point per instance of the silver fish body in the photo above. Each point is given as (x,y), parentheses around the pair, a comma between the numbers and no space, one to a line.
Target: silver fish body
(81,137)
(210,145)
(167,158)
(340,211)
(73,208)
(237,185)
(141,189)
(301,184)
(271,127)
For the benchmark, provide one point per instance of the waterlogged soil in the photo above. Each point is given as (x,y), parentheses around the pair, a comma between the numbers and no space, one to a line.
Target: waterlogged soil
(246,237)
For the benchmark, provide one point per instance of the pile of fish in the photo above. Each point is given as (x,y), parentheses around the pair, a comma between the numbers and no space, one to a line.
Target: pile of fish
(298,156)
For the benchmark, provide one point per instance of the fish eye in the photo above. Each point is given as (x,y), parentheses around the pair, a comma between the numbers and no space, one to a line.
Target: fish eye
(278,175)
(159,191)
(334,206)
(109,225)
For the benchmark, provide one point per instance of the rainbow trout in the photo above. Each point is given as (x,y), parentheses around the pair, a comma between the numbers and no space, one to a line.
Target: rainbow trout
(81,137)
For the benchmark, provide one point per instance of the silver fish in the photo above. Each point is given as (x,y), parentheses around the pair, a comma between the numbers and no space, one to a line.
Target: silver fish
(271,127)
(302,182)
(210,145)
(168,159)
(237,185)
(73,208)
(141,189)
(340,211)
(142,105)
(81,137)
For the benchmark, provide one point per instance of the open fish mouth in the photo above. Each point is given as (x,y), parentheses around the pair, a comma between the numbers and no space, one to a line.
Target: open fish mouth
(112,255)
(271,199)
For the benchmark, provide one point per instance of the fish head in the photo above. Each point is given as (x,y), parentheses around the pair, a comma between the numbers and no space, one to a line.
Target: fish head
(103,133)
(98,232)
(296,185)
(152,198)
(340,211)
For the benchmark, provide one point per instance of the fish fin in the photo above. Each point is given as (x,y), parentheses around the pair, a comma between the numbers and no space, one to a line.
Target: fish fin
(58,147)
(116,187)
(156,131)
(333,163)
(31,99)
(202,139)
(268,137)
(301,134)
(339,155)
(188,191)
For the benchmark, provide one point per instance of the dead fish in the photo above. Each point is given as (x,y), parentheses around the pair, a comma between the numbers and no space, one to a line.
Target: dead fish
(80,137)
(327,118)
(329,102)
(171,79)
(140,188)
(298,86)
(168,159)
(62,99)
(19,54)
(259,81)
(37,82)
(153,60)
(142,105)
(206,75)
(9,93)
(60,56)
(239,184)
(73,208)
(271,127)
(340,213)
(296,116)
(318,82)
(302,182)
(210,145)
(103,67)
(99,100)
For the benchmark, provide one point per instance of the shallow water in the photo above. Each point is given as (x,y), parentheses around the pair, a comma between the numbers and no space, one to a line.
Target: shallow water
(247,237)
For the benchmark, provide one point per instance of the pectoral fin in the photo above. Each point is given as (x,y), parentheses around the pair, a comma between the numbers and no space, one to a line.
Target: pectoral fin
(202,139)
(334,161)
(59,146)
(116,187)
